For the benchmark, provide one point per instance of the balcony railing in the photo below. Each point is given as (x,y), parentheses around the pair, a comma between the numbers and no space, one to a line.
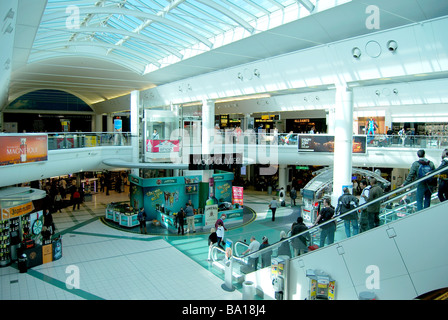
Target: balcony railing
(68,140)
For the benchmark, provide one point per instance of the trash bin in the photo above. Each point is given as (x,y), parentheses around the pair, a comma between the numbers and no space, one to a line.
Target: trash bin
(366,295)
(23,263)
(269,190)
(248,290)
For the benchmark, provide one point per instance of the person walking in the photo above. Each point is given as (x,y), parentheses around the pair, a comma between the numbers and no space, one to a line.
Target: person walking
(420,169)
(189,213)
(180,217)
(220,234)
(273,206)
(293,195)
(141,217)
(76,199)
(58,202)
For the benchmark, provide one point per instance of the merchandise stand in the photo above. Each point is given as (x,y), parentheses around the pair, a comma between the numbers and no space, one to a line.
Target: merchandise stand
(21,226)
(162,198)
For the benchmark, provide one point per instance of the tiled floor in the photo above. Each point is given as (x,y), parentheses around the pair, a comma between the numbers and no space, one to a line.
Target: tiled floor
(116,264)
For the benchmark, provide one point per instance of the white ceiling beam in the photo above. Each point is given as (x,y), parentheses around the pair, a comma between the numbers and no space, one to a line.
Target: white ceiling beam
(243,23)
(92,44)
(307,4)
(122,32)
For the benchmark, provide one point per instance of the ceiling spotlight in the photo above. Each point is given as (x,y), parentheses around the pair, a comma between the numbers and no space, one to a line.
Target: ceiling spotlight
(392,45)
(356,52)
(8,29)
(257,73)
(9,15)
(395,91)
(377,92)
(240,76)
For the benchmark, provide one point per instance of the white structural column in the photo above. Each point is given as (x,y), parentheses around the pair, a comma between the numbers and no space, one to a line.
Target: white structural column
(282,179)
(110,122)
(208,124)
(98,123)
(135,130)
(343,132)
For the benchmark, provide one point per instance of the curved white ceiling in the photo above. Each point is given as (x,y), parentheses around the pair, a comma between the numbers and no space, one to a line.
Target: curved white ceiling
(95,44)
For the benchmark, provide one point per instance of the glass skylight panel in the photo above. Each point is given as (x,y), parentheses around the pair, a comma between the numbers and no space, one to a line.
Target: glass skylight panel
(180,29)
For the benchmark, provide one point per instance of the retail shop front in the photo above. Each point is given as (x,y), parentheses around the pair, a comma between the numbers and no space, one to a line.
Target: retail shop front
(22,230)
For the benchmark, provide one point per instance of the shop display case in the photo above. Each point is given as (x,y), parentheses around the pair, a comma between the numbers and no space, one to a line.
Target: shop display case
(122,213)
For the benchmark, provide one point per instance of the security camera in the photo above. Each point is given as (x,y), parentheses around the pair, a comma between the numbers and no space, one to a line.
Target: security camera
(392,45)
(356,52)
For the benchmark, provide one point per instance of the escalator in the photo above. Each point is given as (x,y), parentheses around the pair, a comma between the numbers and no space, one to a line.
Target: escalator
(396,217)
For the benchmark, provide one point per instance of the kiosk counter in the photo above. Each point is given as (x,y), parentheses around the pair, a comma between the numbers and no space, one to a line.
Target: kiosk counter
(122,213)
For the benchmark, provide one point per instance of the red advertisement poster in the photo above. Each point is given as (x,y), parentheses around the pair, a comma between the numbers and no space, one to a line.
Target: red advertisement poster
(237,195)
(23,149)
(163,146)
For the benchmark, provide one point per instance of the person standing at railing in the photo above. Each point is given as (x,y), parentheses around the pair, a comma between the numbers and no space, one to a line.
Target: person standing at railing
(443,178)
(212,240)
(327,230)
(300,243)
(253,247)
(363,218)
(418,170)
(347,202)
(373,210)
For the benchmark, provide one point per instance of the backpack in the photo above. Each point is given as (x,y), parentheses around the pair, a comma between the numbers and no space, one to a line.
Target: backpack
(346,202)
(423,170)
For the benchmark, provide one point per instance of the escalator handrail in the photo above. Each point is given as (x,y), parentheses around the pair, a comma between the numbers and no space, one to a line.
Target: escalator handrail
(365,205)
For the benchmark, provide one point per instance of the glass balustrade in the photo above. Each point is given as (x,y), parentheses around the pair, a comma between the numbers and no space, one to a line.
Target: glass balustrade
(67,140)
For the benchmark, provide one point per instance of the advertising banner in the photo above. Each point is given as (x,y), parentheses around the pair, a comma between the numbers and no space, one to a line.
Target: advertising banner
(210,214)
(325,143)
(23,149)
(162,146)
(237,195)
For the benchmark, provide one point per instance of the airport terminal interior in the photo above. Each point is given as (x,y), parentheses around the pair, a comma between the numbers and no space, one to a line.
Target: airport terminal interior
(135,131)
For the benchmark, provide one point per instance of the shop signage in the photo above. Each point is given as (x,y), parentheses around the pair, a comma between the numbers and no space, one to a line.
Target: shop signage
(13,212)
(209,160)
(23,149)
(237,195)
(162,146)
(325,143)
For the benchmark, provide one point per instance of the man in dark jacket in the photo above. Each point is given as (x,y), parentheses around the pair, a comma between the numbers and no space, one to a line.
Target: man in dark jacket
(424,187)
(373,210)
(347,202)
(299,243)
(443,178)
